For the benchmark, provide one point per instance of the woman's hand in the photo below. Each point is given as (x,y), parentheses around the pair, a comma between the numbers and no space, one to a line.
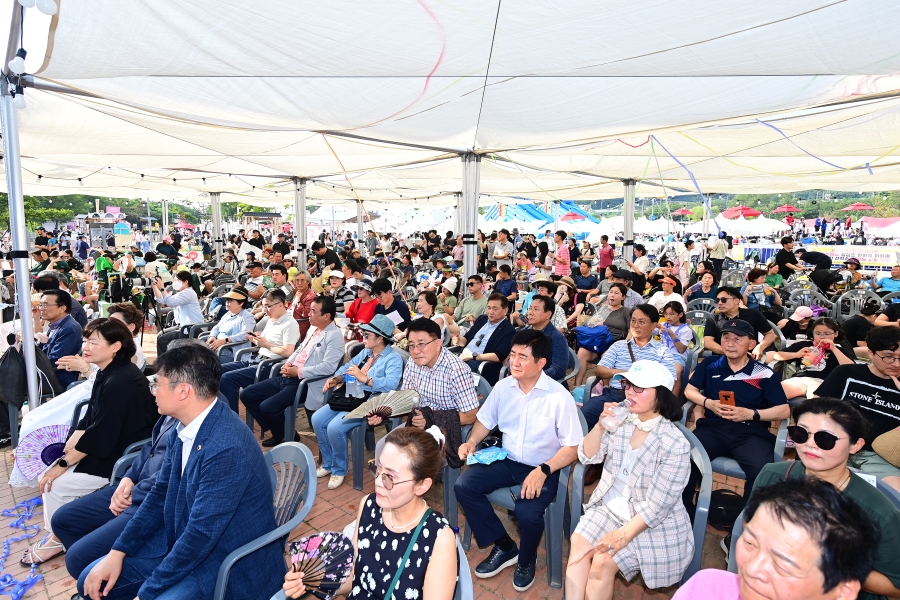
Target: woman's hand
(51,474)
(73,440)
(607,411)
(613,541)
(293,585)
(72,363)
(375,420)
(356,372)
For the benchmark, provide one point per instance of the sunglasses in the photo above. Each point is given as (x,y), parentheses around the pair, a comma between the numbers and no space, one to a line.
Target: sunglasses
(823,439)
(724,299)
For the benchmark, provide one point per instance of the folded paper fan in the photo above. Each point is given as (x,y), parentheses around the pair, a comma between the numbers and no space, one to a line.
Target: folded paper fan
(385,405)
(40,449)
(325,559)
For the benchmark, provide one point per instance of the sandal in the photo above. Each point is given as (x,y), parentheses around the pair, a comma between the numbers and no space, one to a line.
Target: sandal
(32,553)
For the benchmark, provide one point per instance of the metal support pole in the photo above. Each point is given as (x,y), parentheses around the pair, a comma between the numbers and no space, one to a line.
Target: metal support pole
(360,225)
(555,216)
(706,217)
(300,221)
(457,215)
(471,179)
(164,226)
(628,214)
(9,125)
(215,205)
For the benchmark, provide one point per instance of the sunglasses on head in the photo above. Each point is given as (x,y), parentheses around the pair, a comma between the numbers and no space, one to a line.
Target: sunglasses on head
(823,439)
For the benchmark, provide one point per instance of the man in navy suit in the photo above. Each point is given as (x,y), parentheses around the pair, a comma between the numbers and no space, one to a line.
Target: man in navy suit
(213,494)
(489,341)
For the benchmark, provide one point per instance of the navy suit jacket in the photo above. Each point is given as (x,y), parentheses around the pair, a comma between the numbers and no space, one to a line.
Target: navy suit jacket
(500,343)
(66,341)
(194,520)
(145,467)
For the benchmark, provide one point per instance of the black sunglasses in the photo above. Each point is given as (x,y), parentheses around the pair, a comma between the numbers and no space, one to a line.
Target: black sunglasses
(723,299)
(823,439)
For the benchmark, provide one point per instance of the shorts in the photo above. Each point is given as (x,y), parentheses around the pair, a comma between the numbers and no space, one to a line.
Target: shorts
(811,384)
(679,358)
(870,462)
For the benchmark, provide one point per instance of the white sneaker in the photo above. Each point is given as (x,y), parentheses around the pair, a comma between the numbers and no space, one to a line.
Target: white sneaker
(335,481)
(322,472)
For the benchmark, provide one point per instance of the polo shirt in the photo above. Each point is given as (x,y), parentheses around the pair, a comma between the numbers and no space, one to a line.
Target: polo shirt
(503,249)
(562,254)
(535,425)
(618,357)
(889,285)
(606,254)
(756,319)
(283,331)
(756,386)
(585,283)
(507,287)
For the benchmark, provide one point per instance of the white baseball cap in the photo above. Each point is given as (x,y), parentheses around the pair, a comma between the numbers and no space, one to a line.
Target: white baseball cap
(647,374)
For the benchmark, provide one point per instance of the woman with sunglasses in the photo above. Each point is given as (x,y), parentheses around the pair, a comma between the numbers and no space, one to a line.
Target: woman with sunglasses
(395,519)
(814,359)
(635,521)
(828,433)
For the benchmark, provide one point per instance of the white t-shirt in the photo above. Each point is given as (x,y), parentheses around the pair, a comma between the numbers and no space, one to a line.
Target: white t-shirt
(283,331)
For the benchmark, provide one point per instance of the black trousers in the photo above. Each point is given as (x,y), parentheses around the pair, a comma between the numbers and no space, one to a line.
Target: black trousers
(751,446)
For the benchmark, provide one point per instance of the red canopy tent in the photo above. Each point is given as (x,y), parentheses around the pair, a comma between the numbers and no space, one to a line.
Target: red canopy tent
(786,208)
(858,206)
(572,216)
(682,212)
(740,211)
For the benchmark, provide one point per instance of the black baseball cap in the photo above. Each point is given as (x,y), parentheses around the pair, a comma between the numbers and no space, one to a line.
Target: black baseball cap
(622,274)
(740,327)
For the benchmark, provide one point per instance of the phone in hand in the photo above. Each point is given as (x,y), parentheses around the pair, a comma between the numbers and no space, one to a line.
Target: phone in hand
(726,398)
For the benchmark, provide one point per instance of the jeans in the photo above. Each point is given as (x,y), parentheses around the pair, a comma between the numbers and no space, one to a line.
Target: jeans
(331,432)
(268,399)
(135,571)
(718,263)
(237,375)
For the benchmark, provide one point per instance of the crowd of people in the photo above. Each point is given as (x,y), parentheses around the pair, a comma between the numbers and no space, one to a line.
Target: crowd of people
(589,357)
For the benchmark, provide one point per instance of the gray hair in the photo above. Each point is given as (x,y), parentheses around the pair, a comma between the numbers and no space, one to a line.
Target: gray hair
(60,277)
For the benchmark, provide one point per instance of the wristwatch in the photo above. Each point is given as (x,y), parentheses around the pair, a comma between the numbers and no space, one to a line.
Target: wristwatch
(62,462)
(755,414)
(545,469)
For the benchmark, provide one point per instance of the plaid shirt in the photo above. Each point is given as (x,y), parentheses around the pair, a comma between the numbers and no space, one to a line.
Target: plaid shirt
(448,385)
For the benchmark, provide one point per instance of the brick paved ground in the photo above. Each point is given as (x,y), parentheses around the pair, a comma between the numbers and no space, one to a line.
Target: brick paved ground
(333,509)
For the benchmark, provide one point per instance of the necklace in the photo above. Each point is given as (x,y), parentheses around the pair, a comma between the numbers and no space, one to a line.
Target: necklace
(844,483)
(405,527)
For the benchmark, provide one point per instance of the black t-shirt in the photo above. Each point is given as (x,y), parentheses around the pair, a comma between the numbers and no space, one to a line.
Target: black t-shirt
(282,247)
(892,312)
(785,257)
(825,366)
(530,250)
(41,240)
(755,318)
(792,331)
(258,242)
(856,329)
(819,259)
(878,398)
(329,258)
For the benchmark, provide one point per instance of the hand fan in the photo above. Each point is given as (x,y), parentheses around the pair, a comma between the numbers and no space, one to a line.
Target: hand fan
(325,559)
(40,449)
(386,404)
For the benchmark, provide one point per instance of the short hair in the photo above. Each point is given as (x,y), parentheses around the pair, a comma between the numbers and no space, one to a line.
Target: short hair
(619,286)
(184,276)
(381,285)
(551,286)
(280,268)
(195,365)
(562,234)
(112,330)
(538,341)
(326,306)
(503,300)
(786,240)
(586,262)
(476,277)
(424,325)
(883,338)
(640,248)
(352,265)
(730,290)
(149,257)
(756,274)
(667,404)
(131,313)
(649,310)
(62,298)
(317,245)
(196,266)
(843,412)
(505,269)
(549,304)
(710,272)
(430,297)
(666,262)
(847,538)
(604,238)
(276,295)
(688,243)
(45,283)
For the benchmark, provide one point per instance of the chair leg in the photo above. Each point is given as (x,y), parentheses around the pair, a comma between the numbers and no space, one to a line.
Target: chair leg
(451,507)
(370,438)
(467,537)
(357,454)
(13,425)
(553,536)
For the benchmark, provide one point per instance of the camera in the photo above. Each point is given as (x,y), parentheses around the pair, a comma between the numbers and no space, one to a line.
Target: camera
(141,282)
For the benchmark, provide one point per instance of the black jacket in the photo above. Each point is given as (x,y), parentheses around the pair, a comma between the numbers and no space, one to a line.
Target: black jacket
(500,343)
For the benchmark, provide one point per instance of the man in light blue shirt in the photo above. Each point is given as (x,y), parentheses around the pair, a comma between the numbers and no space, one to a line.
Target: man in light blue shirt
(890,284)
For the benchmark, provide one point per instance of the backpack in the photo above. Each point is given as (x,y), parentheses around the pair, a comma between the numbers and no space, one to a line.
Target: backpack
(14,390)
(596,339)
(724,507)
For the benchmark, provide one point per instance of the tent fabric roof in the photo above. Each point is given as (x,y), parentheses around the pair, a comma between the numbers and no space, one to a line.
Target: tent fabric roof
(375,100)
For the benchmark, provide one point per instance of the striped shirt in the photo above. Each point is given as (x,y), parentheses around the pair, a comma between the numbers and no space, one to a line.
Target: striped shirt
(618,357)
(449,385)
(562,254)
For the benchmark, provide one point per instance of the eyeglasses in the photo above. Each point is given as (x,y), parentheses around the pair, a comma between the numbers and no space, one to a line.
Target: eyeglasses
(627,385)
(823,439)
(421,347)
(724,299)
(889,359)
(471,283)
(155,385)
(43,305)
(274,304)
(640,322)
(828,333)
(387,480)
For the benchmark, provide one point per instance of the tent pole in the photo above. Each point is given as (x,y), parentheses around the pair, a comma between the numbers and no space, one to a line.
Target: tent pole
(359,221)
(215,204)
(300,221)
(628,214)
(458,218)
(9,124)
(555,216)
(706,217)
(471,179)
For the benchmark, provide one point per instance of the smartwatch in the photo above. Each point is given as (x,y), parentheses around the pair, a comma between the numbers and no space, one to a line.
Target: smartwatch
(545,469)
(62,462)
(755,415)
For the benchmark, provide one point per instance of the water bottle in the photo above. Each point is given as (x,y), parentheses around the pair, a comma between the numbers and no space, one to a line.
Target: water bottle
(612,422)
(354,387)
(24,410)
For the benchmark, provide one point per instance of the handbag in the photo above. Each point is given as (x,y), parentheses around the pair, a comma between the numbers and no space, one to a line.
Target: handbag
(887,446)
(412,542)
(340,402)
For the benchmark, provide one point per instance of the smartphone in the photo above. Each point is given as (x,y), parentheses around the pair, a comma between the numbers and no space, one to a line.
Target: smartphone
(726,398)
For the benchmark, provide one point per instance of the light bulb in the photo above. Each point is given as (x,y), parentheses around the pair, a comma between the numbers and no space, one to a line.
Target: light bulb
(17,64)
(19,102)
(27,3)
(80,182)
(48,7)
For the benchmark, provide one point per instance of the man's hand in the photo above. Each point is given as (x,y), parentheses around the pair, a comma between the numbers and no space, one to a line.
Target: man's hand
(215,344)
(465,450)
(121,498)
(466,355)
(418,420)
(289,371)
(261,341)
(108,570)
(531,487)
(734,413)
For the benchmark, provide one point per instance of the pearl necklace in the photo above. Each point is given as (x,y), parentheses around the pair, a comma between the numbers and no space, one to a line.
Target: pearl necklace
(407,526)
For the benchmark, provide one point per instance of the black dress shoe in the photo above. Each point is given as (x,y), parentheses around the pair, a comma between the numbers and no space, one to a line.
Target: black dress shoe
(524,577)
(297,437)
(496,561)
(271,442)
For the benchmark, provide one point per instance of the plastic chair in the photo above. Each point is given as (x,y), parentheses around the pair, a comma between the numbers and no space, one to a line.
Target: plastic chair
(853,302)
(808,297)
(290,413)
(707,305)
(554,517)
(888,299)
(574,364)
(465,588)
(294,495)
(782,341)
